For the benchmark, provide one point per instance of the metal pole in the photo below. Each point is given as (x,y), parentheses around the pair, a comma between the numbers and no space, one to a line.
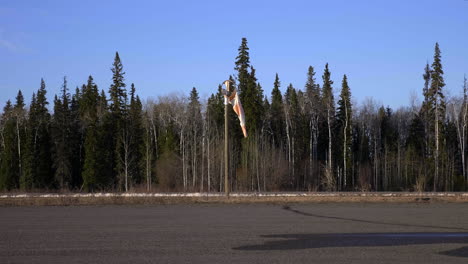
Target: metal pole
(226,143)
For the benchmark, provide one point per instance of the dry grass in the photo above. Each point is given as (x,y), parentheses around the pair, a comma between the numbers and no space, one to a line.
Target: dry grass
(328,179)
(420,183)
(69,200)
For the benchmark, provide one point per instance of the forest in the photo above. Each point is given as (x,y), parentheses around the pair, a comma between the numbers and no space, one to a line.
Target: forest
(310,138)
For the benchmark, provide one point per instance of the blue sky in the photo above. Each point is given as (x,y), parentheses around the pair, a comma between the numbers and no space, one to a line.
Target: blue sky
(172,46)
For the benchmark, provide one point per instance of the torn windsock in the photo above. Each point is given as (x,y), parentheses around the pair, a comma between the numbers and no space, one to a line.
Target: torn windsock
(237,106)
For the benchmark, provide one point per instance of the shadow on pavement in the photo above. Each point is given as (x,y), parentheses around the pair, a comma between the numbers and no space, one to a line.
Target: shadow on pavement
(310,241)
(287,208)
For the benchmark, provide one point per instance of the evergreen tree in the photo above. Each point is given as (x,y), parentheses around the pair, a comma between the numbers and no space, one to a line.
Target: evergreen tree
(44,169)
(313,106)
(425,112)
(62,130)
(106,140)
(19,105)
(76,140)
(89,102)
(312,88)
(19,114)
(117,92)
(9,176)
(251,96)
(40,161)
(242,67)
(389,140)
(194,132)
(437,101)
(250,91)
(328,102)
(292,121)
(118,120)
(27,179)
(92,166)
(215,110)
(277,114)
(344,124)
(137,134)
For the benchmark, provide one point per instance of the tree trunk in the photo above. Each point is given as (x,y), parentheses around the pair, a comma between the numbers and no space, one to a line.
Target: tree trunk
(436,156)
(208,175)
(345,147)
(19,149)
(329,139)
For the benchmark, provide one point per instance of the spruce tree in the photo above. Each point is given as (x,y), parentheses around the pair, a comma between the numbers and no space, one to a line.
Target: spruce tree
(91,159)
(88,113)
(215,111)
(119,125)
(250,91)
(426,113)
(62,130)
(344,124)
(277,114)
(242,66)
(328,102)
(292,121)
(437,100)
(41,159)
(137,135)
(107,142)
(117,92)
(19,113)
(76,140)
(28,176)
(9,176)
(117,121)
(195,131)
(313,111)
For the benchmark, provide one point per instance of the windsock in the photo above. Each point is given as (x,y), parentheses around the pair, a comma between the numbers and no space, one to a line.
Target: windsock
(237,107)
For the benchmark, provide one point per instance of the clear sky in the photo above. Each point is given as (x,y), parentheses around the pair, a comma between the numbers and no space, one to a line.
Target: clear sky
(172,46)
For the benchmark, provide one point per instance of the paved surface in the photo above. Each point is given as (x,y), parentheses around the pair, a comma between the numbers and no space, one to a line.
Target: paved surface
(223,233)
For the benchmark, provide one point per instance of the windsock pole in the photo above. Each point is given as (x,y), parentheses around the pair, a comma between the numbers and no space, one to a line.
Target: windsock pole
(226,142)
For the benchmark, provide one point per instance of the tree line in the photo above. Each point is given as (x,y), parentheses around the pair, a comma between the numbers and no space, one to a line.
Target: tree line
(302,139)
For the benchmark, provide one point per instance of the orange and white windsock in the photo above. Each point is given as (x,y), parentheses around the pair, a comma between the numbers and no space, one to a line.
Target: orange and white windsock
(237,106)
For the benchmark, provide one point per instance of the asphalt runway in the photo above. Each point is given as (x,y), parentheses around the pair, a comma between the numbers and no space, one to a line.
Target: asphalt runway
(236,233)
